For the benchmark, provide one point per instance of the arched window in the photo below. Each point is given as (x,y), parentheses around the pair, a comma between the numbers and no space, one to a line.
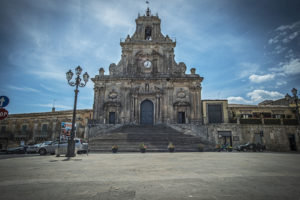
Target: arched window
(148,32)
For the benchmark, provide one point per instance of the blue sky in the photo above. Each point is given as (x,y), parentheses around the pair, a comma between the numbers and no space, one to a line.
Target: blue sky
(247,51)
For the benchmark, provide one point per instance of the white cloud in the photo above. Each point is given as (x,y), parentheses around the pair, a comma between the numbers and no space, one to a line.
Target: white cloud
(284,39)
(280,83)
(261,95)
(293,35)
(290,37)
(285,27)
(256,96)
(23,89)
(292,67)
(247,69)
(239,100)
(59,76)
(51,89)
(110,14)
(261,78)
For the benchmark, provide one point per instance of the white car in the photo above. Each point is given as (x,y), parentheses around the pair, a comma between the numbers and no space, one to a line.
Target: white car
(33,148)
(60,148)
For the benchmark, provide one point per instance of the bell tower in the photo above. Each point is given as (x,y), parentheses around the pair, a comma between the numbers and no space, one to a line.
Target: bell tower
(147,52)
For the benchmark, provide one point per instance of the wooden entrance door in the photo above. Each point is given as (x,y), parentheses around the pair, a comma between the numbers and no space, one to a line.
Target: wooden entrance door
(147,112)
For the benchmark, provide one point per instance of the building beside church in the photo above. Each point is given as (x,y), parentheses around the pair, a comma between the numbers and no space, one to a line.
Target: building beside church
(32,128)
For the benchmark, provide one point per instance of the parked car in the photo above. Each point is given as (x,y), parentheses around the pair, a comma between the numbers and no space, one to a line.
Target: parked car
(45,148)
(33,148)
(60,148)
(84,148)
(250,147)
(16,150)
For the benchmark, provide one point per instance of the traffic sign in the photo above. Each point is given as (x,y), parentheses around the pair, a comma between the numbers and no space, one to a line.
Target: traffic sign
(4,101)
(3,113)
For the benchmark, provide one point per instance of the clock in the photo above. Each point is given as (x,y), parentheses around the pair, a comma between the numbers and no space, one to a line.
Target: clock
(147,64)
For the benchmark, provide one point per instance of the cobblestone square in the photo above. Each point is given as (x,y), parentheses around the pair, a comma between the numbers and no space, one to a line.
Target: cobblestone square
(208,175)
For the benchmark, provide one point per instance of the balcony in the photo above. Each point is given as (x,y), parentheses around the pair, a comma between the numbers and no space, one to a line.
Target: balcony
(250,121)
(271,121)
(290,122)
(266,121)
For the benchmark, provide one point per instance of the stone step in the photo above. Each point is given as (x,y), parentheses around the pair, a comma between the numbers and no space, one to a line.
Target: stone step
(157,138)
(152,139)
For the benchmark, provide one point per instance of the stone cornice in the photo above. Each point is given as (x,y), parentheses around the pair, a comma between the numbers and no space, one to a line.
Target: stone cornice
(134,78)
(47,114)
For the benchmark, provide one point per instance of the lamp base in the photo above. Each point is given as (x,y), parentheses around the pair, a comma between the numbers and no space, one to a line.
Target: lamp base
(71,149)
(70,155)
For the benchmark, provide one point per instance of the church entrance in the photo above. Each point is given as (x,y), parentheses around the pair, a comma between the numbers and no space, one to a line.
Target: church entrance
(147,112)
(112,118)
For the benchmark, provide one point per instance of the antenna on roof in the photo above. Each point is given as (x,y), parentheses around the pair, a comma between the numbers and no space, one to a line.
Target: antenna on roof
(53,106)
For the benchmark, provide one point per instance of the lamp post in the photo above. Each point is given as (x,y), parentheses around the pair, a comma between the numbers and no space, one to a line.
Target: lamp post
(294,92)
(77,83)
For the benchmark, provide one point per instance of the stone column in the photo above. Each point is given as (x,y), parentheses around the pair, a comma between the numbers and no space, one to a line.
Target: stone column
(169,103)
(100,102)
(198,106)
(193,105)
(157,109)
(95,106)
(131,108)
(126,115)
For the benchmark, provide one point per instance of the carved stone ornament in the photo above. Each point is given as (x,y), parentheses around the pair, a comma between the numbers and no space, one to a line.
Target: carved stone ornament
(113,69)
(182,67)
(113,95)
(181,94)
(193,71)
(101,71)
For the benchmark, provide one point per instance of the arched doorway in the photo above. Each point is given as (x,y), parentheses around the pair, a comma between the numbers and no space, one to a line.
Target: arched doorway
(147,112)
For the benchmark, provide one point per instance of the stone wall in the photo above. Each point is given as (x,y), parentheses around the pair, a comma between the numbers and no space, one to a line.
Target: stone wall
(274,137)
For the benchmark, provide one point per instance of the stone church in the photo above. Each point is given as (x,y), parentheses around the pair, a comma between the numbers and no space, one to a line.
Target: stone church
(147,86)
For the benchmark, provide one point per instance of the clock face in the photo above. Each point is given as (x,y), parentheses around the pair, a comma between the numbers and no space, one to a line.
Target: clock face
(147,64)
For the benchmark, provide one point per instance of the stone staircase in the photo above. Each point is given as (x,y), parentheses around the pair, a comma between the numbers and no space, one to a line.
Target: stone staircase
(157,137)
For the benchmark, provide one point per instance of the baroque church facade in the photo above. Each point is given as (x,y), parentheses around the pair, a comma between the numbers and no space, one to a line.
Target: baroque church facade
(147,86)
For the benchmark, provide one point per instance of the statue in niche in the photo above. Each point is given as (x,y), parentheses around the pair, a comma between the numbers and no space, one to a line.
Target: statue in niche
(147,87)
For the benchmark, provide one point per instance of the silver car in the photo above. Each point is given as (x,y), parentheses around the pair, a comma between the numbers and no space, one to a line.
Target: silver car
(60,148)
(33,148)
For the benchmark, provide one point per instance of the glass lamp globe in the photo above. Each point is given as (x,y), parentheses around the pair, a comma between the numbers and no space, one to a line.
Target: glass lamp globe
(78,70)
(69,75)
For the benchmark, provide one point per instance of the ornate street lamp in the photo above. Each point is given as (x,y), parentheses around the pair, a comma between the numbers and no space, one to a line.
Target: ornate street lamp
(294,92)
(77,83)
